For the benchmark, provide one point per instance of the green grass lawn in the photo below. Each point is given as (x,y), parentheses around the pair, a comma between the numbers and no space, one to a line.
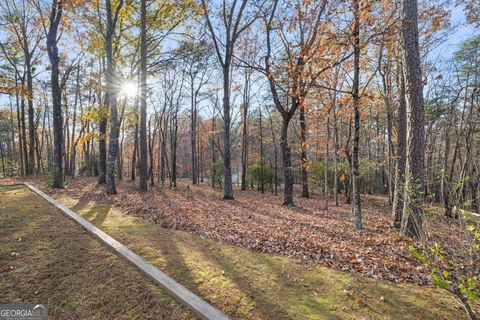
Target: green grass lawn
(62,266)
(48,259)
(251,285)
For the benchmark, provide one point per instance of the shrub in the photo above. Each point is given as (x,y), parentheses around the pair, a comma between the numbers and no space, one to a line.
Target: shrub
(89,168)
(216,172)
(9,168)
(254,176)
(456,271)
(317,174)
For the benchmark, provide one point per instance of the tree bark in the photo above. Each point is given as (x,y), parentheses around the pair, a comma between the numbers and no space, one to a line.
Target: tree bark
(356,205)
(31,121)
(413,195)
(397,206)
(102,146)
(246,103)
(262,162)
(111,97)
(287,164)
(303,145)
(143,98)
(135,145)
(52,49)
(24,135)
(325,163)
(193,130)
(227,185)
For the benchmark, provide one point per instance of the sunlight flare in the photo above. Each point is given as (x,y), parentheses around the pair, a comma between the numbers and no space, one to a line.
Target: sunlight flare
(129,89)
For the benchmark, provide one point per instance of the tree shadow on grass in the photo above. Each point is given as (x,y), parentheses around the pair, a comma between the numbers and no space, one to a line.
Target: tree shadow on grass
(228,286)
(218,289)
(275,304)
(403,302)
(72,273)
(94,212)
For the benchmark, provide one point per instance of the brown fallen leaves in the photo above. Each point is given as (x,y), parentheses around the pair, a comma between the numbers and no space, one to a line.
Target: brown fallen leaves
(259,222)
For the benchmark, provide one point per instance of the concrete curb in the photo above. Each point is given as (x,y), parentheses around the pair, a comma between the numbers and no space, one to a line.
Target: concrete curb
(190,300)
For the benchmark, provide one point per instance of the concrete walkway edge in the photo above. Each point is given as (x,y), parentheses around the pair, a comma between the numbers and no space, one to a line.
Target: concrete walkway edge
(199,306)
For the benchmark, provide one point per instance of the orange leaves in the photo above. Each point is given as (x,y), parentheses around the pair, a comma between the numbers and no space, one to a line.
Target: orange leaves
(472,11)
(436,23)
(260,222)
(7,85)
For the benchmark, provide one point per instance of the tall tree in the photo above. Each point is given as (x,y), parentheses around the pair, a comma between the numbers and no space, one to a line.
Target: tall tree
(293,67)
(356,204)
(52,49)
(414,169)
(143,185)
(245,106)
(198,55)
(111,94)
(397,206)
(26,36)
(234,23)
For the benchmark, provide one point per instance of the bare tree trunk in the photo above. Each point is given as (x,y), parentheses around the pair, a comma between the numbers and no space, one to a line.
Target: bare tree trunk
(66,135)
(262,163)
(102,148)
(12,126)
(387,97)
(212,146)
(173,147)
(20,128)
(335,158)
(232,31)
(275,173)
(49,146)
(31,121)
(158,125)
(135,145)
(120,161)
(193,130)
(164,162)
(303,144)
(227,186)
(2,156)
(74,122)
(111,97)
(397,206)
(200,159)
(287,164)
(356,206)
(325,163)
(151,147)
(413,196)
(348,186)
(24,136)
(474,188)
(246,103)
(143,98)
(52,49)
(102,142)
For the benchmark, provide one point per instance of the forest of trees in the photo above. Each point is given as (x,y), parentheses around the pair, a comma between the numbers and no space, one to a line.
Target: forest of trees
(328,99)
(344,97)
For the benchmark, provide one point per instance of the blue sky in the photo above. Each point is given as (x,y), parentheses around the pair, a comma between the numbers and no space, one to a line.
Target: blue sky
(461,32)
(444,52)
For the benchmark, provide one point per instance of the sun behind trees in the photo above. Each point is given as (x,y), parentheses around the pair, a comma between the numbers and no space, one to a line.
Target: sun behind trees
(319,99)
(304,44)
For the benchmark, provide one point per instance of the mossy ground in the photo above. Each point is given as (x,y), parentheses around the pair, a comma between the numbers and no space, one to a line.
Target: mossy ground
(60,265)
(251,285)
(47,258)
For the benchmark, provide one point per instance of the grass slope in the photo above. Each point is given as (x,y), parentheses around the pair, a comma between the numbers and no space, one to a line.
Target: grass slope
(47,258)
(252,285)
